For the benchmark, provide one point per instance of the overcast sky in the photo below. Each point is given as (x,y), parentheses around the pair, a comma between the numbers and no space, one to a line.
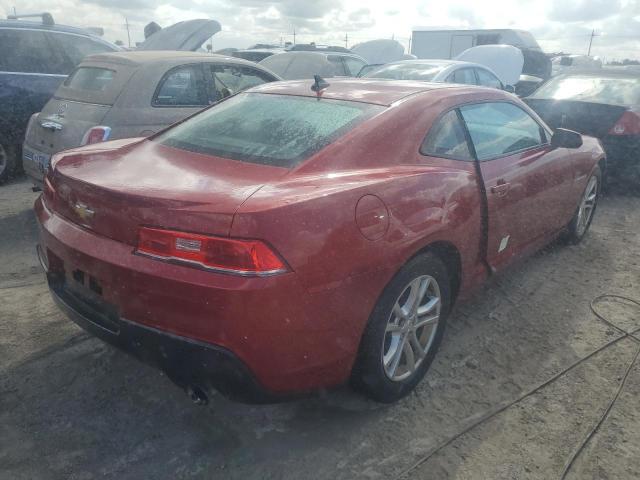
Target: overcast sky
(557,25)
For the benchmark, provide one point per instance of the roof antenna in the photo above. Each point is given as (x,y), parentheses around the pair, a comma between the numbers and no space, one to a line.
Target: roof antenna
(319,84)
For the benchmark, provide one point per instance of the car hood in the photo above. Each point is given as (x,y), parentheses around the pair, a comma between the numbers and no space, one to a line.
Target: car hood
(506,61)
(187,36)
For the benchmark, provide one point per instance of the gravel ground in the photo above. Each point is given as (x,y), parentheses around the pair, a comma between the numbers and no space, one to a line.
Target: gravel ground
(525,373)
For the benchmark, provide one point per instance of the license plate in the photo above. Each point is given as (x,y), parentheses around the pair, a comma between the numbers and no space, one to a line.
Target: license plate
(39,160)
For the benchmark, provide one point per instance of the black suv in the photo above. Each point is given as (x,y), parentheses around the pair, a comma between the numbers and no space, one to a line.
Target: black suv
(34,59)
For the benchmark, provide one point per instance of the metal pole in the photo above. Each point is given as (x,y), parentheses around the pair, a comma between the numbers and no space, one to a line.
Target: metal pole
(593,33)
(128,34)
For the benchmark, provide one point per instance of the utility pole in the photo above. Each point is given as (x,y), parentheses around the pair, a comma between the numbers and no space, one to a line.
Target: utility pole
(409,52)
(294,35)
(593,34)
(126,20)
(346,40)
(14,12)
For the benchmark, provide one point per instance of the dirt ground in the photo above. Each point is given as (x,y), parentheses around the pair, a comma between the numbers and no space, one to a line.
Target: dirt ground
(525,373)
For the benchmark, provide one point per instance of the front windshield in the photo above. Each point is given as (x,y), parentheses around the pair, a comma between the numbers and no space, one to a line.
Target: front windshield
(278,130)
(613,90)
(425,72)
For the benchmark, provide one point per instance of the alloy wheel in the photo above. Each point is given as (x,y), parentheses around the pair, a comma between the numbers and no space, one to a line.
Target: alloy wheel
(587,206)
(411,328)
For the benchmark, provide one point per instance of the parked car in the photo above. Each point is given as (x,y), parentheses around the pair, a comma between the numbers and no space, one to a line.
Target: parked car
(603,103)
(256,54)
(286,240)
(131,94)
(35,58)
(450,71)
(305,64)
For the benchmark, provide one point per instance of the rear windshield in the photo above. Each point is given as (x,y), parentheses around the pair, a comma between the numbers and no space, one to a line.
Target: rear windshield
(407,71)
(90,79)
(614,90)
(278,130)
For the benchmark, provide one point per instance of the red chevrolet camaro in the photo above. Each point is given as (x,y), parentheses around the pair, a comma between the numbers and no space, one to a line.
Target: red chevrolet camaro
(287,239)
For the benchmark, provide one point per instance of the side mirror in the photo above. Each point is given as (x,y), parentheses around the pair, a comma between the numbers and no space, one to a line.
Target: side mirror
(509,88)
(563,138)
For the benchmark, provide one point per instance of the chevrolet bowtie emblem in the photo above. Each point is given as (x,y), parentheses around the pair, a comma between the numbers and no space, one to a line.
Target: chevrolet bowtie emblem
(83,211)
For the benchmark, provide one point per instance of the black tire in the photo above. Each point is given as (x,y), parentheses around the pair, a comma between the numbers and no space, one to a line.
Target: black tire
(369,375)
(8,162)
(577,229)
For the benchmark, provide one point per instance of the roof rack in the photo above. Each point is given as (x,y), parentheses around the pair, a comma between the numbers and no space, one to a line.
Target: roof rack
(47,18)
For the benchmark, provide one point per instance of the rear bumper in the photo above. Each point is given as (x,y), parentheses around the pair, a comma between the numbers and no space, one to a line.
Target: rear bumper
(623,157)
(186,362)
(267,337)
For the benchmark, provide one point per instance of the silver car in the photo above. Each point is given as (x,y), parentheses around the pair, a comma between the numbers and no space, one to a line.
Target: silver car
(450,71)
(297,65)
(131,94)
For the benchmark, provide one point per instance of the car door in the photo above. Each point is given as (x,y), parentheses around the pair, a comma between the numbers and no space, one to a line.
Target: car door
(180,92)
(31,72)
(526,181)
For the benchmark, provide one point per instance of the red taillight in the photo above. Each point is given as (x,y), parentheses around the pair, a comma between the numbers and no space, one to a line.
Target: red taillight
(49,192)
(96,135)
(627,124)
(242,257)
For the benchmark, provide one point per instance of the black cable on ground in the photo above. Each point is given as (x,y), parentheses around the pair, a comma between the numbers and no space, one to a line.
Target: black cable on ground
(603,417)
(504,407)
(607,411)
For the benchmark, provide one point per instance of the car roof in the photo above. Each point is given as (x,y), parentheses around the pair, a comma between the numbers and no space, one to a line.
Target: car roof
(379,92)
(307,53)
(438,62)
(52,28)
(599,72)
(168,57)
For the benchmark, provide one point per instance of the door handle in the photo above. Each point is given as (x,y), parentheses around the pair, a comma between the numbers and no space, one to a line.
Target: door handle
(501,189)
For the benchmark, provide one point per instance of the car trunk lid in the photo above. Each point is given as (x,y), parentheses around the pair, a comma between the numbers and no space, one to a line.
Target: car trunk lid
(80,103)
(114,191)
(588,118)
(188,35)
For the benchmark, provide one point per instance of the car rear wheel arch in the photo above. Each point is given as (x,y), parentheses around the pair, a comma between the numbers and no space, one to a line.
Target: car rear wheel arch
(450,256)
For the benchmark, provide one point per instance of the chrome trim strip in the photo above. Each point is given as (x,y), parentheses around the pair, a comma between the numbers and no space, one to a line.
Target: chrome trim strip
(182,261)
(41,259)
(34,73)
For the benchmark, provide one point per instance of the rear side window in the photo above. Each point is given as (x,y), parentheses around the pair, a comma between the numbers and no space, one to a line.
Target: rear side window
(91,79)
(278,130)
(464,76)
(182,87)
(76,47)
(447,139)
(234,78)
(488,79)
(337,67)
(353,65)
(28,51)
(500,128)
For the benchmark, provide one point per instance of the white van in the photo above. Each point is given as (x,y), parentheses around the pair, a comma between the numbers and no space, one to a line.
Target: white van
(446,44)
